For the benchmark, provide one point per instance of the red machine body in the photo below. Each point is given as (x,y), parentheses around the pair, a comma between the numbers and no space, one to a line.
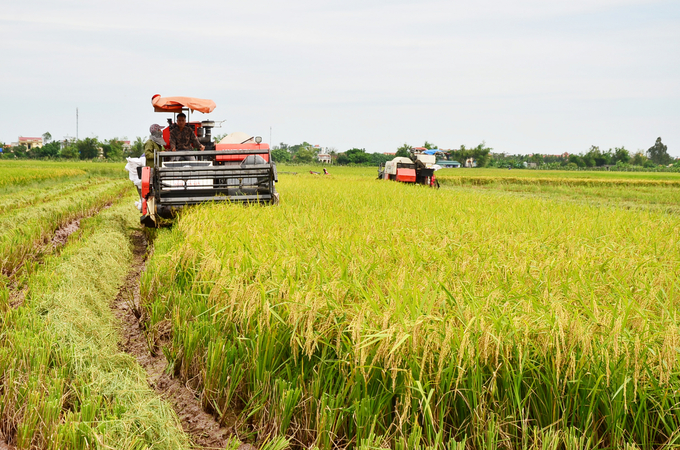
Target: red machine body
(254,149)
(406,175)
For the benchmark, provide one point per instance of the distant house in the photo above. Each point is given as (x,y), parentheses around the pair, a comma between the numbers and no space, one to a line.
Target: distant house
(126,146)
(30,142)
(322,156)
(448,164)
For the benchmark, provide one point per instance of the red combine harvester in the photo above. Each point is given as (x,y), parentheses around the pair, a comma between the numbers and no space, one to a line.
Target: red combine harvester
(418,168)
(233,172)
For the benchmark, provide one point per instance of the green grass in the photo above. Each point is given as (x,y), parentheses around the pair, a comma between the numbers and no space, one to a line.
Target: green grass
(361,312)
(63,382)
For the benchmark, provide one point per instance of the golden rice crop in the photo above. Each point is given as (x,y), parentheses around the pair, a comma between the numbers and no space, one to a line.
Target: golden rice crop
(18,173)
(12,176)
(361,312)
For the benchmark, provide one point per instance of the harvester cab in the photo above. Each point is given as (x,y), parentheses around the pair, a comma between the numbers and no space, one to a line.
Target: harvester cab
(233,171)
(418,168)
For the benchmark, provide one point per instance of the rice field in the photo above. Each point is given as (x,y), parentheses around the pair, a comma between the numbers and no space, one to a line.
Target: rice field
(508,309)
(370,314)
(17,174)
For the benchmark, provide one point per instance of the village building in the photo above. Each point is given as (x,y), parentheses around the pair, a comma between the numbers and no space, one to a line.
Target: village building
(323,157)
(29,142)
(447,164)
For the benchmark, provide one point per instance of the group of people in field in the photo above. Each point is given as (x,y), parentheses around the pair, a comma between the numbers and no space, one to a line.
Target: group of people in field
(182,138)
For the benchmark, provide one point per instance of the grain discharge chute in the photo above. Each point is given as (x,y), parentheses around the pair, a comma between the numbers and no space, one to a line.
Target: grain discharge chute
(228,171)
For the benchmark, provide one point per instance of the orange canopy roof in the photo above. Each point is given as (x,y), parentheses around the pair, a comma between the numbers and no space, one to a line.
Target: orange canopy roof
(176,104)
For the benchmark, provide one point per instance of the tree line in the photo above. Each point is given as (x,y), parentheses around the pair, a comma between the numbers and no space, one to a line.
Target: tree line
(306,153)
(621,158)
(618,158)
(88,148)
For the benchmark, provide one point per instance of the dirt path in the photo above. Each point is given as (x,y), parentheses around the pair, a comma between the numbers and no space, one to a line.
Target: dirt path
(204,430)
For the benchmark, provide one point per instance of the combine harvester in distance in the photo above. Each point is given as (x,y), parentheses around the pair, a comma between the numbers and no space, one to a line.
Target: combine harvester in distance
(418,168)
(237,169)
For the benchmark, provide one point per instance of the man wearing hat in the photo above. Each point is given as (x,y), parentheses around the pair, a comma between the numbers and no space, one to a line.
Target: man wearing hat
(155,143)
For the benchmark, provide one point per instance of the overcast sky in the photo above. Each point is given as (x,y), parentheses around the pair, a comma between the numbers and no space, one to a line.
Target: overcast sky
(524,75)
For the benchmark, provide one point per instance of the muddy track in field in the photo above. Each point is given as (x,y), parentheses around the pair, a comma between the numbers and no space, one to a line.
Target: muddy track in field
(202,427)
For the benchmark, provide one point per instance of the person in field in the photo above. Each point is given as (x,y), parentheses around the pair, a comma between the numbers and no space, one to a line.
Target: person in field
(155,143)
(182,138)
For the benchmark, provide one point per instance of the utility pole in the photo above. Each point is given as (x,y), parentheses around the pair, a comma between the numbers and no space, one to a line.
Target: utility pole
(76,124)
(270,137)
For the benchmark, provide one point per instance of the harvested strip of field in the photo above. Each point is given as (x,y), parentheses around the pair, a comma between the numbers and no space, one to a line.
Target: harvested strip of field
(652,198)
(368,312)
(452,180)
(24,230)
(42,193)
(582,174)
(205,432)
(65,384)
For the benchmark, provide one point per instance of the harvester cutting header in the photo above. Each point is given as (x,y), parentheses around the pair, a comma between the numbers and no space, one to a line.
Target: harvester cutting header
(238,169)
